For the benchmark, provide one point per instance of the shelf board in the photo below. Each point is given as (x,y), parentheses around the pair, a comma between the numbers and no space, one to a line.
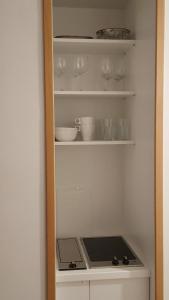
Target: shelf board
(92,46)
(106,94)
(94,143)
(106,4)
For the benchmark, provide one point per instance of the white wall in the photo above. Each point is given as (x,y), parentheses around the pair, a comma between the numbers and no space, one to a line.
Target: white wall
(166,154)
(22,257)
(88,180)
(139,191)
(66,23)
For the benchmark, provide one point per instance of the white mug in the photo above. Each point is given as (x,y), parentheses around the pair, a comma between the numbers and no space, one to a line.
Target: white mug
(86,125)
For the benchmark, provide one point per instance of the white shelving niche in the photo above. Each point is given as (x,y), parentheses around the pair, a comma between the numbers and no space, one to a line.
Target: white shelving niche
(106,187)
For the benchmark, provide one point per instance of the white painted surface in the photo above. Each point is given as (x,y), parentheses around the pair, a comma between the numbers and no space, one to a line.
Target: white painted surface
(120,289)
(99,94)
(95,143)
(73,291)
(94,46)
(102,274)
(139,176)
(22,216)
(89,204)
(166,154)
(116,4)
(66,19)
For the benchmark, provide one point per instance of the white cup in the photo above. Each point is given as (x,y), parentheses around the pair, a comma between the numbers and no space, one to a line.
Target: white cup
(86,125)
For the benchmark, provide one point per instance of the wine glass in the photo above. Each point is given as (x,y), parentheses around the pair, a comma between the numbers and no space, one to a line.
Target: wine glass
(107,70)
(120,70)
(80,66)
(60,67)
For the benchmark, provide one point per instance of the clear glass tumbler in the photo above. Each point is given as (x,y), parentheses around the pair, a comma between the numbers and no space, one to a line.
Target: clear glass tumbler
(108,129)
(123,129)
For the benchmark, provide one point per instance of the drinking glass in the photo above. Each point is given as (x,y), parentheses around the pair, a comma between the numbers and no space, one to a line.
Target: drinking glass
(108,129)
(60,65)
(123,129)
(107,71)
(120,69)
(80,66)
(59,69)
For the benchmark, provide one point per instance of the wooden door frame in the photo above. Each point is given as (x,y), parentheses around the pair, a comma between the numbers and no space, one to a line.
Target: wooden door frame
(49,150)
(159,280)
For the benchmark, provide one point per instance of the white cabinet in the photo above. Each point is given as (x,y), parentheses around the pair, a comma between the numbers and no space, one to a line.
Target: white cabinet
(73,291)
(119,289)
(127,289)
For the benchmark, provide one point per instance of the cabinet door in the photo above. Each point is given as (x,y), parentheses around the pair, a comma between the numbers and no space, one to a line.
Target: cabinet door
(72,291)
(126,289)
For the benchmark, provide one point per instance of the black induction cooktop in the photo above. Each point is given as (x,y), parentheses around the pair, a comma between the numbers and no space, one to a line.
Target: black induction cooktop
(109,251)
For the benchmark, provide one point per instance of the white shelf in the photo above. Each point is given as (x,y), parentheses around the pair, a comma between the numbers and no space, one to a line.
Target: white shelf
(94,143)
(102,274)
(91,46)
(111,4)
(106,94)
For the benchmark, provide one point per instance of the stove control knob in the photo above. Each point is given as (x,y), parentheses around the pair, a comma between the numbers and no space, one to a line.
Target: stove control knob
(115,261)
(125,260)
(72,265)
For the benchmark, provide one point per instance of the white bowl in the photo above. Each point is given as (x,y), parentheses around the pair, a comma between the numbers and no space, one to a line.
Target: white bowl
(65,134)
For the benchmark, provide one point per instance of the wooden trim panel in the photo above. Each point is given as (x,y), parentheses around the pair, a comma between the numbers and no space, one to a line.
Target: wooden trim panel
(49,146)
(159,152)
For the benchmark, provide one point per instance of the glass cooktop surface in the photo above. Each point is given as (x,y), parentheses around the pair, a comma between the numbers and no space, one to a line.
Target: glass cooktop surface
(108,251)
(105,248)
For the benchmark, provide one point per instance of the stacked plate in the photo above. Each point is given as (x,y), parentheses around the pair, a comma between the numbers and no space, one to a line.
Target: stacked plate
(114,34)
(73,37)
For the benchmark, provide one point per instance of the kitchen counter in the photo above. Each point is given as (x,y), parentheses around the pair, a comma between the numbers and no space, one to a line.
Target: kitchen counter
(102,274)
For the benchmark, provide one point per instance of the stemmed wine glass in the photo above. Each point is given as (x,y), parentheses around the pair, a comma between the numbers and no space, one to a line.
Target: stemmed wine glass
(107,70)
(60,67)
(120,69)
(80,66)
